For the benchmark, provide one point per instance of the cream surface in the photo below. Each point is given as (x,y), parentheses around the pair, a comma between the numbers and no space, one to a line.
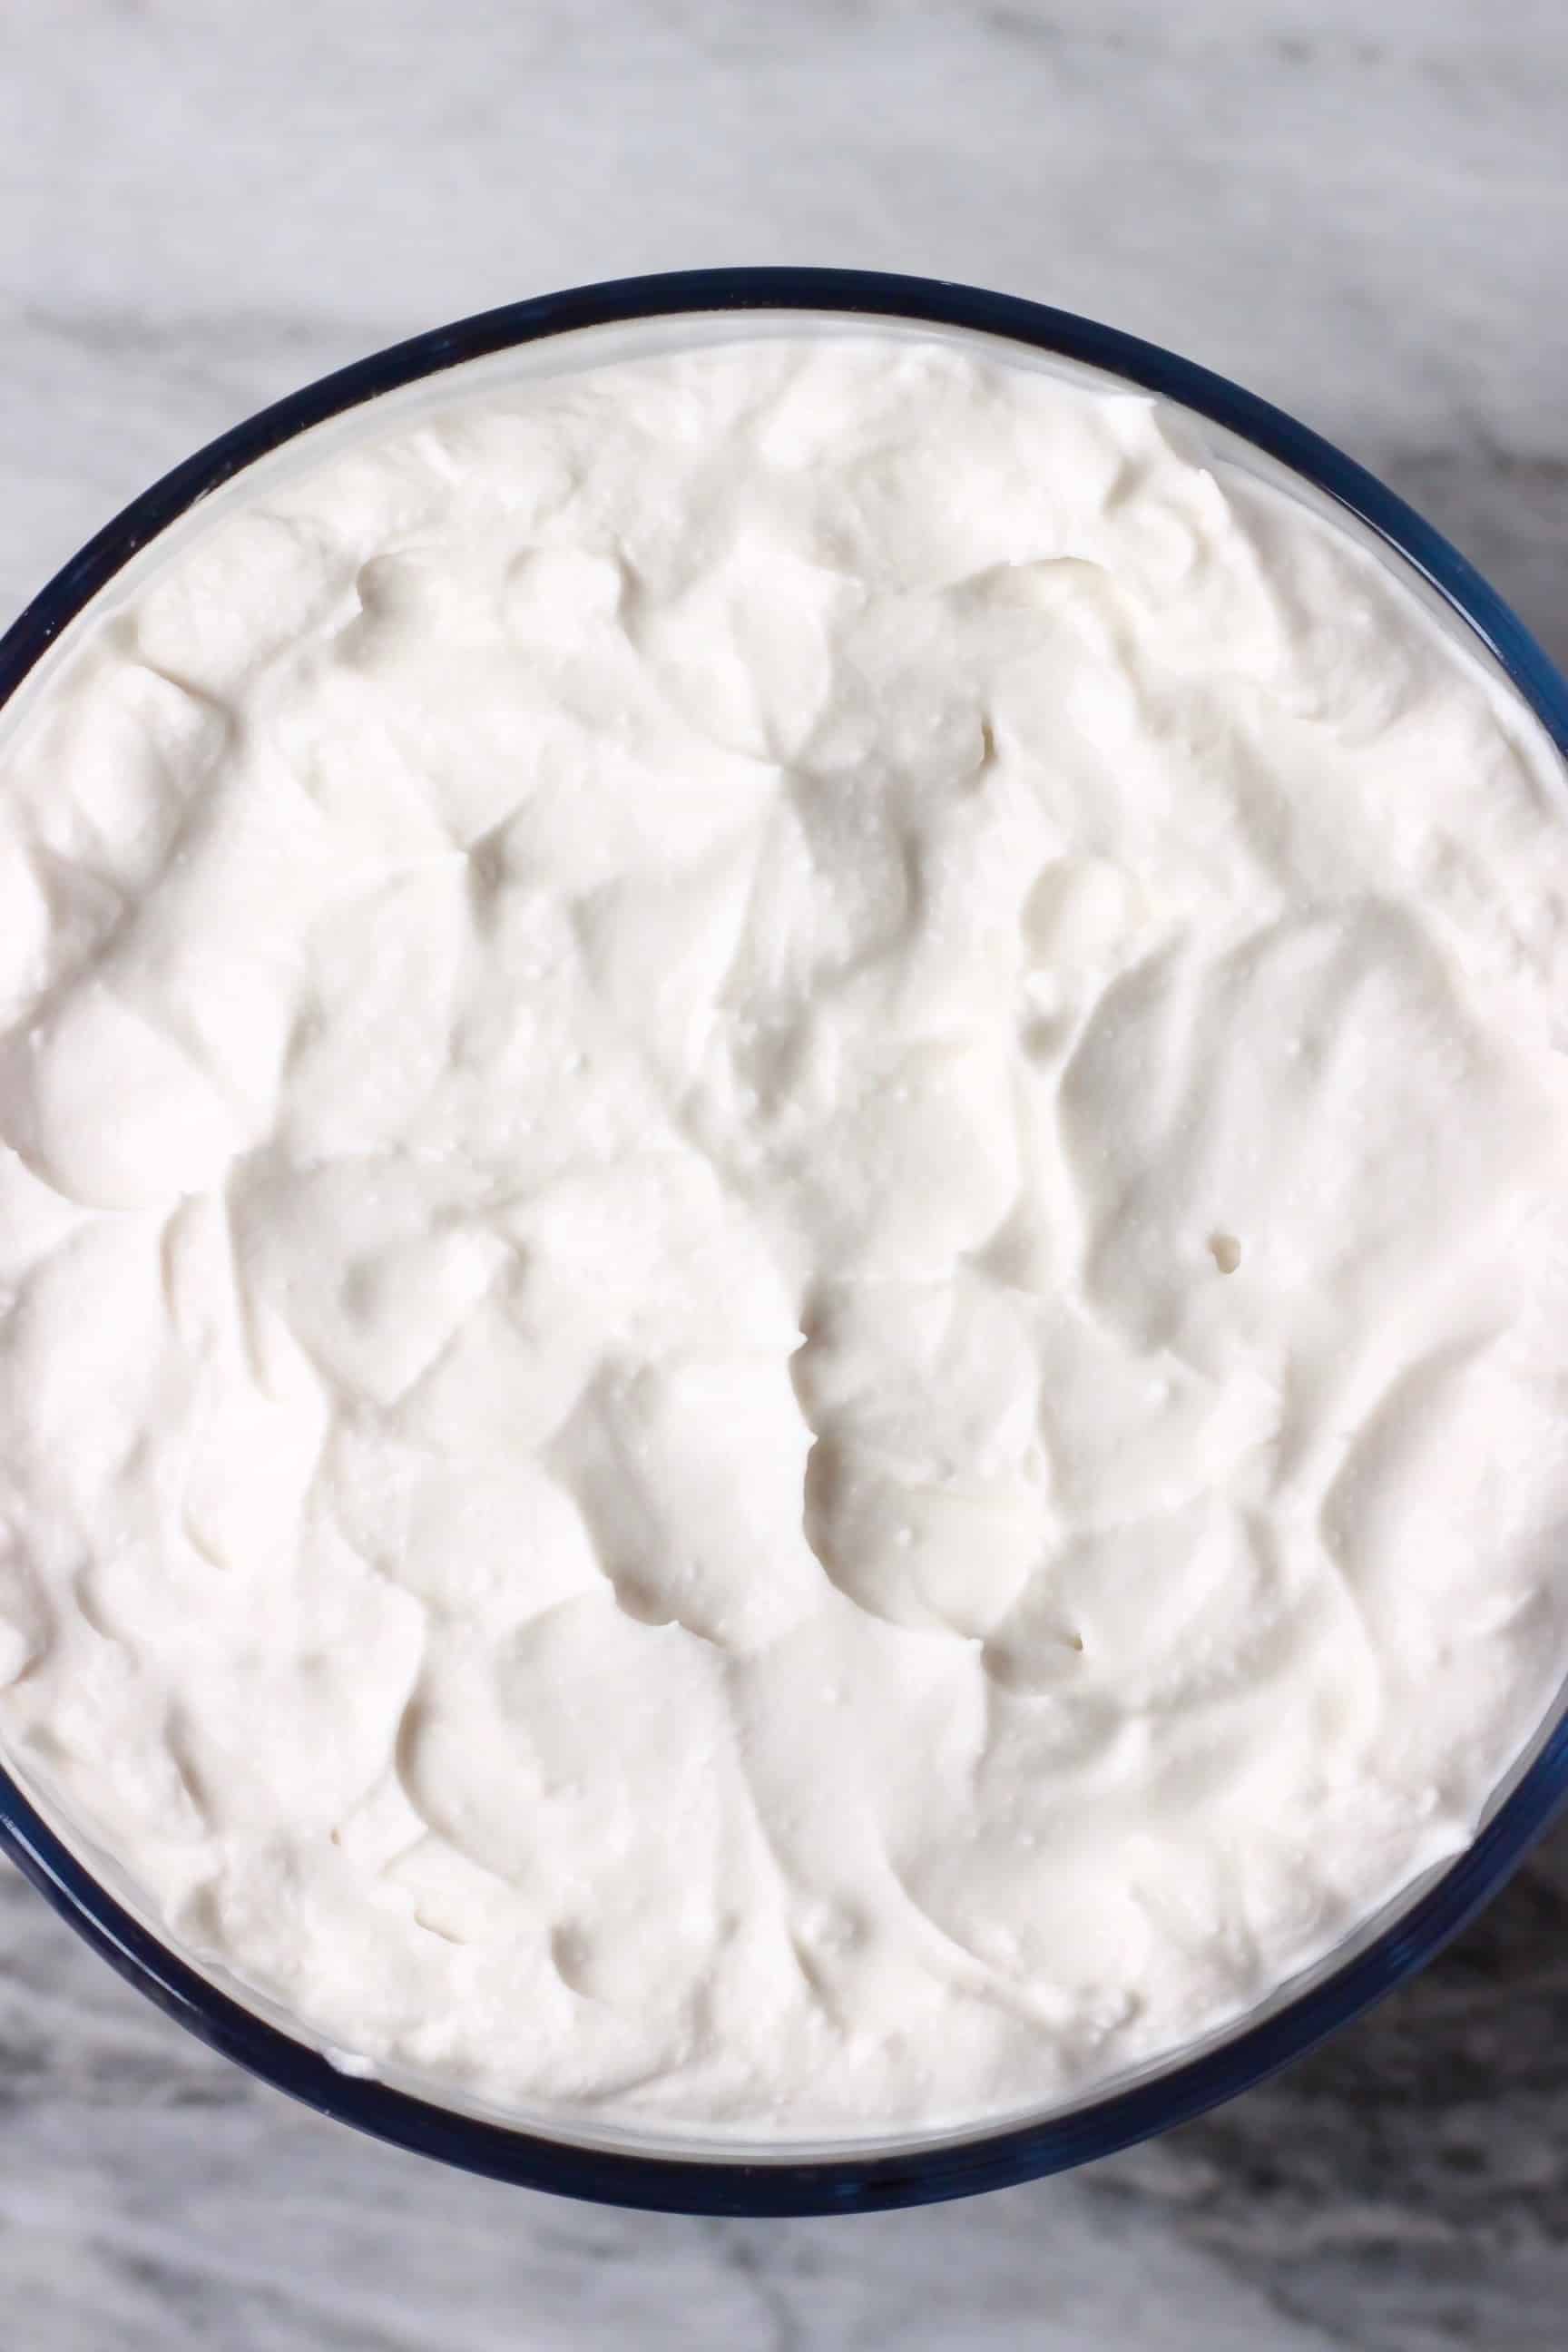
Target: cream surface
(783,1240)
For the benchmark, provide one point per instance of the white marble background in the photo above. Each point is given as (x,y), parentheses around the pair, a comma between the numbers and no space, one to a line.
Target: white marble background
(1360,210)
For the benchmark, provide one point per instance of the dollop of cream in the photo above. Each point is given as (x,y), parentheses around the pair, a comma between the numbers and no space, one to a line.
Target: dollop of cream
(783,1240)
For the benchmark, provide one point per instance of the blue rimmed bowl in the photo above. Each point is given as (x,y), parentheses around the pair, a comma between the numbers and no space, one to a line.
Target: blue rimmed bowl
(685,2174)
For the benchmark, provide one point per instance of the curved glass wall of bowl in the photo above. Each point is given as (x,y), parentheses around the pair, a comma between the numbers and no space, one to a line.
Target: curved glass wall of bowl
(560,333)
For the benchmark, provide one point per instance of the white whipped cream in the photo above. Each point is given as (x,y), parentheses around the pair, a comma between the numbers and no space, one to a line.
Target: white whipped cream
(783,1245)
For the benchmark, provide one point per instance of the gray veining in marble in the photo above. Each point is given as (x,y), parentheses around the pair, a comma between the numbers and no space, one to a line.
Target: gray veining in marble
(1360,211)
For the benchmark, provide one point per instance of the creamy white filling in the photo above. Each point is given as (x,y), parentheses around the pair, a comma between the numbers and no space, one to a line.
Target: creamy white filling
(784,1244)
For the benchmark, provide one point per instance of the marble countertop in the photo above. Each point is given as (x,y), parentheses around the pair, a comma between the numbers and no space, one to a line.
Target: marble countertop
(1362,213)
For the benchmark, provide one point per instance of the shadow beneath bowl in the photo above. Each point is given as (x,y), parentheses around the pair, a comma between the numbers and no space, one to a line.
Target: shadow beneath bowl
(1506,508)
(1407,2185)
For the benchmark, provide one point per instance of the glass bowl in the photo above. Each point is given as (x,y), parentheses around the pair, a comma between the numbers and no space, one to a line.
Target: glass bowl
(623,2166)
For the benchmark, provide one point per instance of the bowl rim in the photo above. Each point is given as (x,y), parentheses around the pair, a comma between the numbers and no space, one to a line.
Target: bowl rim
(709,2183)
